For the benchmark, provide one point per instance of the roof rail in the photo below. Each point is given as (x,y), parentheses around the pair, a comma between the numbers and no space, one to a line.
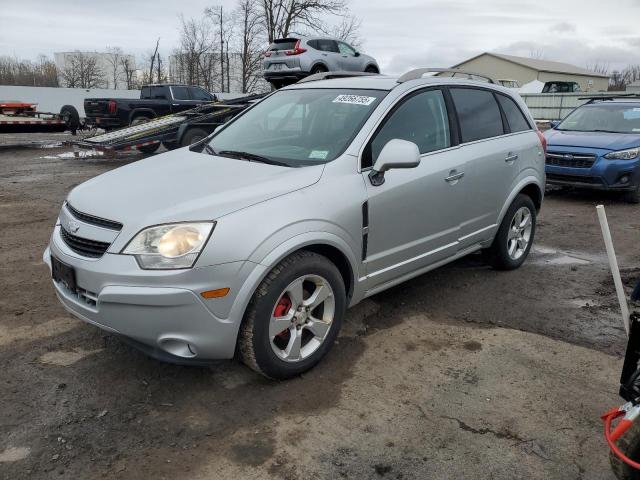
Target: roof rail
(338,74)
(419,72)
(602,98)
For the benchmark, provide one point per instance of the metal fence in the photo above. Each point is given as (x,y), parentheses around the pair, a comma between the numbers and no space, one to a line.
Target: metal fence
(555,106)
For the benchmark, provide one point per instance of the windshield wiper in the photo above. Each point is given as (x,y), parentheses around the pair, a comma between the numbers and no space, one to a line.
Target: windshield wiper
(603,131)
(252,157)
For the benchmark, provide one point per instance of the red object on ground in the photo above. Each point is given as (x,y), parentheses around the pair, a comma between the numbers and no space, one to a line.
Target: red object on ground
(622,427)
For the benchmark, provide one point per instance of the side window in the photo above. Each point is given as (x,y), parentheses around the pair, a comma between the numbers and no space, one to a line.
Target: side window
(327,46)
(145,93)
(159,92)
(346,49)
(515,118)
(313,44)
(421,119)
(478,113)
(180,93)
(199,94)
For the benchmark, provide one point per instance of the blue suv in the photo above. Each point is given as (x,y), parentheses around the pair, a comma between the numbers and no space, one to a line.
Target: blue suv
(598,146)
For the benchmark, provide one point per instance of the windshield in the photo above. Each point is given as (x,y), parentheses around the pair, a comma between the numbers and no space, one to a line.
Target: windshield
(298,127)
(612,117)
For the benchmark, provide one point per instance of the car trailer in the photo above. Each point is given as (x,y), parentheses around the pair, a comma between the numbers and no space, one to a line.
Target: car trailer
(172,131)
(19,117)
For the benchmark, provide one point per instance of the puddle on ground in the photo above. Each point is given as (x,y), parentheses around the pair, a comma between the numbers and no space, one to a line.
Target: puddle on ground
(65,359)
(551,256)
(14,454)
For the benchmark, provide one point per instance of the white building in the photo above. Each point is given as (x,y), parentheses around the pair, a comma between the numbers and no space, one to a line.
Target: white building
(108,67)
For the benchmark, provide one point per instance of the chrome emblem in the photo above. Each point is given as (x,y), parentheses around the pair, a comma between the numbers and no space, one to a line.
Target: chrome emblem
(74,226)
(568,156)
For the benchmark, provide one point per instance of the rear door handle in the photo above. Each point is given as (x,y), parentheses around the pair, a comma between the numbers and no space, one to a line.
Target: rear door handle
(454,176)
(512,157)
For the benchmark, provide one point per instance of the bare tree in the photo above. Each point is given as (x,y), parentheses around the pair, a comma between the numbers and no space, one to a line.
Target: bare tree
(152,59)
(279,17)
(598,67)
(247,17)
(41,73)
(81,70)
(128,71)
(194,61)
(224,30)
(348,30)
(113,60)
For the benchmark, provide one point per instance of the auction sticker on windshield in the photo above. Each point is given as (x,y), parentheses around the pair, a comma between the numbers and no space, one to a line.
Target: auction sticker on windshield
(354,99)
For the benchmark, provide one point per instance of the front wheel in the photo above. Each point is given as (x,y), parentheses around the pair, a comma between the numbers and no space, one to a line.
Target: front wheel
(294,316)
(513,241)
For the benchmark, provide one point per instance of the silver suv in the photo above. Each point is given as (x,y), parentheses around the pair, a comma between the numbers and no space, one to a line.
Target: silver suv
(254,241)
(290,59)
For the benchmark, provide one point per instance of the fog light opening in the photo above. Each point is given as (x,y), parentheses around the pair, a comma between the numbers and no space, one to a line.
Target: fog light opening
(624,179)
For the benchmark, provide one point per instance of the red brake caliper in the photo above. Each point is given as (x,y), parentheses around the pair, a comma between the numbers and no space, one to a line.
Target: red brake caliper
(282,308)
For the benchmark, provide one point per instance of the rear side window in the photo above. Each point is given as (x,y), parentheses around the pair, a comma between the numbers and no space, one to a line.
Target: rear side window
(180,93)
(145,93)
(478,113)
(515,118)
(326,45)
(421,119)
(159,92)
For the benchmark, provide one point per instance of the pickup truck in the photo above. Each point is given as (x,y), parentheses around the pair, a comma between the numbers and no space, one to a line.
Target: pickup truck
(155,101)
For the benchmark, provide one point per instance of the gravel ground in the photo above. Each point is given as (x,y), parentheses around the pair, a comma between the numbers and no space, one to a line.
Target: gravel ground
(462,373)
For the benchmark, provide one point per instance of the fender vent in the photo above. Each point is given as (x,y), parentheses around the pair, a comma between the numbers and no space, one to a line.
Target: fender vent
(365,229)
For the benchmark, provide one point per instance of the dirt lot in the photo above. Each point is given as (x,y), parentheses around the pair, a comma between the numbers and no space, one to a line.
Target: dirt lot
(462,373)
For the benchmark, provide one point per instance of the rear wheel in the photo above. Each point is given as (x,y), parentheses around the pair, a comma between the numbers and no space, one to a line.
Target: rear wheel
(294,316)
(319,69)
(70,117)
(147,148)
(513,241)
(192,136)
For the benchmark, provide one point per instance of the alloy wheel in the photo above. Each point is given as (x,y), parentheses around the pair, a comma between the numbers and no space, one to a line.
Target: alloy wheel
(301,318)
(519,233)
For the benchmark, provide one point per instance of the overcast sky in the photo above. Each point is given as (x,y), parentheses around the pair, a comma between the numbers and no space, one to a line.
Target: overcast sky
(399,33)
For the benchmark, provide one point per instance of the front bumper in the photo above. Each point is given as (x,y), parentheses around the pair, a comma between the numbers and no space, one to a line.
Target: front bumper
(163,309)
(602,175)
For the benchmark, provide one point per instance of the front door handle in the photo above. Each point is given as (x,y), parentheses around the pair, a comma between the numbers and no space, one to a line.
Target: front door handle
(511,157)
(454,176)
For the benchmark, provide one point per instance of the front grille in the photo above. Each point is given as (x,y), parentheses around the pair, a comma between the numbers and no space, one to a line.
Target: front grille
(574,179)
(83,246)
(573,160)
(92,220)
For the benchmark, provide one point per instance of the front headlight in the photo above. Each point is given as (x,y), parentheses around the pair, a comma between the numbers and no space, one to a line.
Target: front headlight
(630,154)
(175,245)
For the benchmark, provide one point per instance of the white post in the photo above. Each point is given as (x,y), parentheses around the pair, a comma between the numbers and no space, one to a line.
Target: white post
(613,263)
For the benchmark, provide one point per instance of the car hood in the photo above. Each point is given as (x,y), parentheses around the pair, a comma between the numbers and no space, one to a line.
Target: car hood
(599,140)
(183,186)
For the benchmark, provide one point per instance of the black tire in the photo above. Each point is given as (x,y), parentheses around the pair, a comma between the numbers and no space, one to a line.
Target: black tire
(633,196)
(170,145)
(254,344)
(71,117)
(629,444)
(319,69)
(371,69)
(192,136)
(497,255)
(147,148)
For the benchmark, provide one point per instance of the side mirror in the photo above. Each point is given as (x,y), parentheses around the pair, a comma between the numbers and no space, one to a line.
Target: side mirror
(395,154)
(554,123)
(357,54)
